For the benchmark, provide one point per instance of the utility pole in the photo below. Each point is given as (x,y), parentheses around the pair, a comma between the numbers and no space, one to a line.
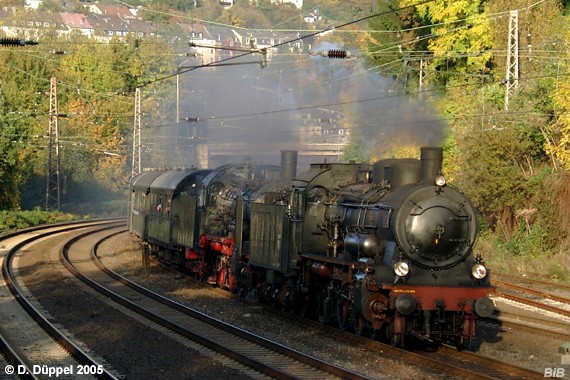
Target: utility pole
(136,167)
(53,165)
(178,97)
(423,65)
(512,57)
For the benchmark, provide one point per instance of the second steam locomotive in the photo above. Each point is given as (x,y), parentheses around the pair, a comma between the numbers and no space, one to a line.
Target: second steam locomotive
(381,249)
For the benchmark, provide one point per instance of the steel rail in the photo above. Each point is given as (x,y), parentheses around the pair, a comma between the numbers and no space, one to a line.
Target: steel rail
(239,354)
(7,272)
(454,365)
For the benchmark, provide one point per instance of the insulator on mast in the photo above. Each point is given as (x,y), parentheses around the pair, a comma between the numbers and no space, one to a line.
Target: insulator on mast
(333,54)
(338,54)
(13,41)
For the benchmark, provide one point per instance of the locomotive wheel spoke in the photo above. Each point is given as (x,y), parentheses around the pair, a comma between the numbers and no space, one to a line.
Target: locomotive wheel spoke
(253,296)
(460,343)
(396,340)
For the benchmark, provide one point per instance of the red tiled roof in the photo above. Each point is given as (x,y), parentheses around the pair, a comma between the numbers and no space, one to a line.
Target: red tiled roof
(75,20)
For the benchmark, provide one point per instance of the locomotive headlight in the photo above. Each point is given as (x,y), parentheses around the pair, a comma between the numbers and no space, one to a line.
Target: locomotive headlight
(440,180)
(478,271)
(401,269)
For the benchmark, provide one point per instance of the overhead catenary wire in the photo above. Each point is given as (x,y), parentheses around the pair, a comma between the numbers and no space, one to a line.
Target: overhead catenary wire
(372,99)
(288,41)
(340,27)
(104,96)
(337,28)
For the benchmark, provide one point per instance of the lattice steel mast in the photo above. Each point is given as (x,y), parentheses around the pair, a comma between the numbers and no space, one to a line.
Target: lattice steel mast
(136,167)
(512,57)
(53,163)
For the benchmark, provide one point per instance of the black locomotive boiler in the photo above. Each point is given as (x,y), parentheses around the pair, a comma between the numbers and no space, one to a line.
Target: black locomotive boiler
(384,249)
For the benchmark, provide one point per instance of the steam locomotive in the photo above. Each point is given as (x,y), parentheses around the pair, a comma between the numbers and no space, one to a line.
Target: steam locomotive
(382,249)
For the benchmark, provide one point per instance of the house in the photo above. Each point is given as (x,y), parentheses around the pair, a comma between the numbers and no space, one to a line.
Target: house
(313,16)
(77,21)
(33,4)
(112,10)
(28,24)
(108,27)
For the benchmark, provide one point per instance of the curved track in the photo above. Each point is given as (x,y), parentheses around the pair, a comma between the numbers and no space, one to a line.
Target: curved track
(272,359)
(278,361)
(464,365)
(33,346)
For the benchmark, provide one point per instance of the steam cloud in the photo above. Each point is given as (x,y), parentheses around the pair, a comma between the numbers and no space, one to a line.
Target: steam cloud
(262,111)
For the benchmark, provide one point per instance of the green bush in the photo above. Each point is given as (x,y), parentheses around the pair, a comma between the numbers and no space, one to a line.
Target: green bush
(10,220)
(528,243)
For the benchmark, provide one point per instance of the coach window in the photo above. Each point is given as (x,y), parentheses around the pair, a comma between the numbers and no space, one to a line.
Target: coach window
(168,207)
(159,205)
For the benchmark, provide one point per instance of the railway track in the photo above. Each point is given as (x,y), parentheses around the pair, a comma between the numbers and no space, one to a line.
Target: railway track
(448,360)
(533,305)
(453,363)
(538,298)
(34,347)
(269,358)
(174,316)
(533,279)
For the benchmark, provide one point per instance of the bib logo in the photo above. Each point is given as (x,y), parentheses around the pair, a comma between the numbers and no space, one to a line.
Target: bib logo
(554,372)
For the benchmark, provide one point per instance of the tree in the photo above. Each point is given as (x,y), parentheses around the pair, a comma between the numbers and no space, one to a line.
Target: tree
(95,86)
(23,108)
(558,143)
(459,39)
(106,82)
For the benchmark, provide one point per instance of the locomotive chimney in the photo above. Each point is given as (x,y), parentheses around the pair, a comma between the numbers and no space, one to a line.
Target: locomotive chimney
(288,164)
(431,162)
